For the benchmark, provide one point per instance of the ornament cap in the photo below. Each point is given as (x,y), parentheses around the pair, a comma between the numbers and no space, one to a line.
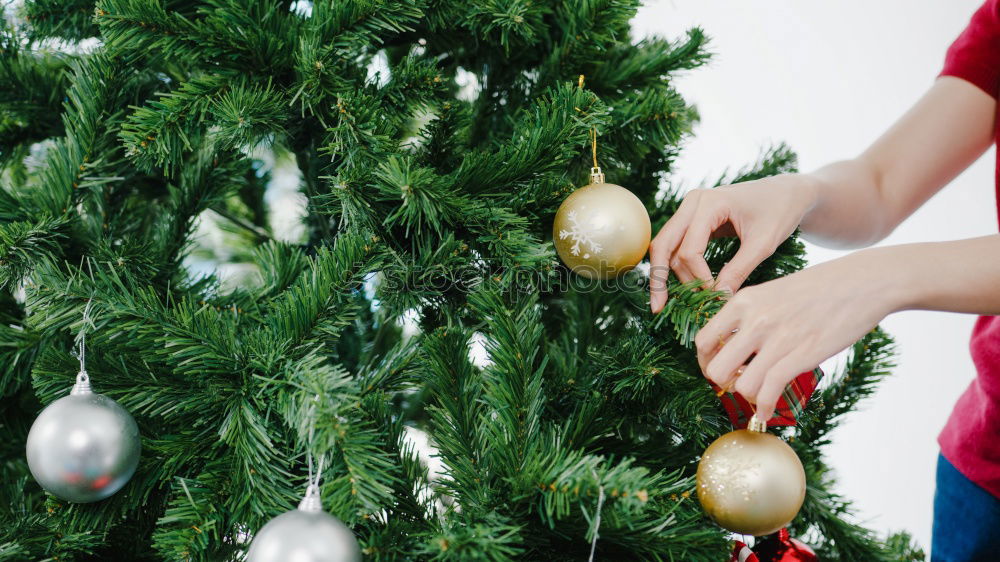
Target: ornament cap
(82,385)
(311,502)
(757,424)
(596,175)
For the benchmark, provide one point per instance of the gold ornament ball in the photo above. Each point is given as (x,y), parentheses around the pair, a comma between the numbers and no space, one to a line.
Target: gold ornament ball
(601,230)
(751,482)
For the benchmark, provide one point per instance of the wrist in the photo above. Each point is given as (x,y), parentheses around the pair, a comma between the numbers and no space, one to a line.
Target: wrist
(895,280)
(808,189)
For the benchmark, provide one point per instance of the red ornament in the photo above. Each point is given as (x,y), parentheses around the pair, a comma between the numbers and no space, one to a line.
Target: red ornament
(790,404)
(780,547)
(743,553)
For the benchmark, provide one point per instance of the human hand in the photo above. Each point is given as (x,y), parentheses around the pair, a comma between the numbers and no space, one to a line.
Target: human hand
(761,213)
(767,334)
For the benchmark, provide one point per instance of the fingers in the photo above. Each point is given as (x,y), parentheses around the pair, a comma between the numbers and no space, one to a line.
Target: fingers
(781,373)
(730,357)
(721,327)
(757,370)
(690,256)
(662,248)
(766,377)
(680,245)
(734,273)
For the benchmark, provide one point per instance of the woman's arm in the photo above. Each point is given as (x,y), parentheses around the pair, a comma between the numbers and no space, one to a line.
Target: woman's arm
(859,202)
(850,203)
(792,324)
(957,276)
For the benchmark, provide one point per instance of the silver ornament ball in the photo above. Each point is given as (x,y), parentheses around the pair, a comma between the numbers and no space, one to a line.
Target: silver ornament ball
(306,534)
(83,447)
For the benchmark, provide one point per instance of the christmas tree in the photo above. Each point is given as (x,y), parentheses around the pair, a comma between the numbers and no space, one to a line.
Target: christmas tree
(415,310)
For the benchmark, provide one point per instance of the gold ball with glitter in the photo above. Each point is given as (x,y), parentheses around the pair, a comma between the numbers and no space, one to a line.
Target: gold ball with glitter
(601,230)
(751,482)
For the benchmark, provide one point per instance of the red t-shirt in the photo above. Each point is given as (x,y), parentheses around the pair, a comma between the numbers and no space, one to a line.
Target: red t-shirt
(971,439)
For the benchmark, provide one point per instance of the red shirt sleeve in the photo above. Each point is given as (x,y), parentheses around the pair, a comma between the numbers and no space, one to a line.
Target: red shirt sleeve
(975,55)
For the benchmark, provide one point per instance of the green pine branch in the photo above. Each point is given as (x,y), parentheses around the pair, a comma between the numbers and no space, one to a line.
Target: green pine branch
(71,20)
(433,141)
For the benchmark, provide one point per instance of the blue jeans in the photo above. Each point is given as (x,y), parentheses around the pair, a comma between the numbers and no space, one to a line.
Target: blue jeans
(966,519)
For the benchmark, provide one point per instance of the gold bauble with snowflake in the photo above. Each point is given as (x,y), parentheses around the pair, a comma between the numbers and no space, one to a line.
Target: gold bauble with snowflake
(601,230)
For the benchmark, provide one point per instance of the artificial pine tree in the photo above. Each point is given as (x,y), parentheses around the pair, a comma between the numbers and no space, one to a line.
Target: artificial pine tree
(433,141)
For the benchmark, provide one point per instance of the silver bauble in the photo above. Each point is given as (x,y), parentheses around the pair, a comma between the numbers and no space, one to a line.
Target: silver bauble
(306,534)
(83,447)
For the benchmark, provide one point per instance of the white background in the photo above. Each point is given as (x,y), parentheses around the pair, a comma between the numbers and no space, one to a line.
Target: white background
(828,78)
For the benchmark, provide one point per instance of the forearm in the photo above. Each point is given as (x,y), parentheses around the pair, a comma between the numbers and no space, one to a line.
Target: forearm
(956,276)
(847,209)
(860,201)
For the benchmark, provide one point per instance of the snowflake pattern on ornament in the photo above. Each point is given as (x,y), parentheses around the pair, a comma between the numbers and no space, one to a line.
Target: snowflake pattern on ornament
(580,234)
